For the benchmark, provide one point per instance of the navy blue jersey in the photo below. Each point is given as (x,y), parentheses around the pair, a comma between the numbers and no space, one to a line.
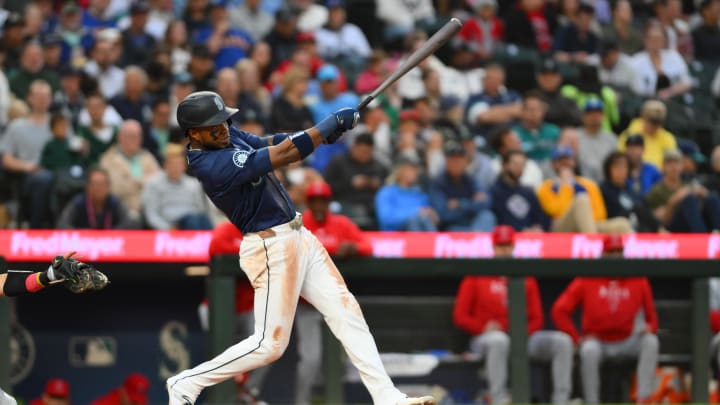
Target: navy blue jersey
(240,181)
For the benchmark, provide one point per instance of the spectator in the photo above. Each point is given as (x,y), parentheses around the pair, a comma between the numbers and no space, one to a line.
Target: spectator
(341,39)
(70,99)
(401,17)
(228,86)
(561,110)
(706,38)
(102,68)
(13,40)
(281,40)
(667,15)
(484,31)
(496,105)
(533,25)
(176,42)
(505,140)
(620,199)
(129,166)
(250,120)
(609,308)
(201,68)
(407,143)
(403,191)
(226,43)
(133,103)
(375,72)
(461,203)
(159,134)
(311,16)
(173,200)
(575,203)
(513,203)
(22,146)
(595,143)
(614,68)
(63,150)
(481,310)
(588,87)
(251,18)
(182,88)
(659,71)
(289,111)
(195,16)
(71,30)
(657,140)
(134,390)
(537,136)
(622,30)
(137,44)
(712,180)
(331,99)
(52,45)
(57,392)
(683,207)
(642,175)
(692,159)
(356,176)
(252,92)
(575,42)
(98,135)
(32,68)
(94,17)
(96,208)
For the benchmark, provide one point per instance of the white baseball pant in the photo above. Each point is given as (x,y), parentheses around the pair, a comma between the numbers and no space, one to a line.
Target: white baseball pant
(286,262)
(645,347)
(546,346)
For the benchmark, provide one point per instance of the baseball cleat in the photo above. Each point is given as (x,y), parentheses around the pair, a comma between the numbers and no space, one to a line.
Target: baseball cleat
(426,400)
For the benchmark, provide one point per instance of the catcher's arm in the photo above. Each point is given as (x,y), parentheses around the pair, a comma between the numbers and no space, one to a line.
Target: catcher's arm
(21,282)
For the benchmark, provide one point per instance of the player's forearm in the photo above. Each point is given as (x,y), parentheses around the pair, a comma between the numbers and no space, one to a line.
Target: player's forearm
(20,282)
(293,149)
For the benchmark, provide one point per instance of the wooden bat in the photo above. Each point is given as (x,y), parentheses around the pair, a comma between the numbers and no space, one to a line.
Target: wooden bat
(428,48)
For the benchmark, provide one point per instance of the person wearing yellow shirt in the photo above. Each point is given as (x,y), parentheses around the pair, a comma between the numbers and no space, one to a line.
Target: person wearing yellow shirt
(575,203)
(649,125)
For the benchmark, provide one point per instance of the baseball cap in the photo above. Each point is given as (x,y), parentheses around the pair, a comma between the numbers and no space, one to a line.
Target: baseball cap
(14,20)
(562,151)
(284,14)
(335,3)
(593,104)
(635,140)
(654,111)
(69,70)
(409,115)
(672,154)
(691,150)
(57,387)
(364,138)
(183,78)
(503,235)
(70,8)
(327,73)
(249,114)
(449,102)
(612,243)
(307,36)
(453,148)
(318,189)
(200,51)
(50,40)
(607,46)
(548,65)
(139,7)
(136,387)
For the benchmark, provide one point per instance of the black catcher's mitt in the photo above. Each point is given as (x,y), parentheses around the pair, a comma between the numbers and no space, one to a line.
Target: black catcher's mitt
(77,276)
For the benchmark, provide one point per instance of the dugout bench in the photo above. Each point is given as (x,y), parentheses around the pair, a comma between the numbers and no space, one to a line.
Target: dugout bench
(221,292)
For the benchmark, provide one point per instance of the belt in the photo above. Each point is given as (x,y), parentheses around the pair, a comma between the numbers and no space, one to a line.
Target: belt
(295,225)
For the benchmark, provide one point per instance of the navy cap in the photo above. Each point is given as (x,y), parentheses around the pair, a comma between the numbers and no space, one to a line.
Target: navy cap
(635,140)
(548,65)
(593,104)
(562,151)
(335,3)
(68,70)
(139,7)
(691,150)
(449,102)
(51,39)
(453,148)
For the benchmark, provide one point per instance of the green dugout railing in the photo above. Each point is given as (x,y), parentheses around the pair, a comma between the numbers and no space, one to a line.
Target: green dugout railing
(225,269)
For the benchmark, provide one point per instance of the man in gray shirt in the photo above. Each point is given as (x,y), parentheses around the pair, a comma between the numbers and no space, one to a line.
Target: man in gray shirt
(250,18)
(21,146)
(174,200)
(594,143)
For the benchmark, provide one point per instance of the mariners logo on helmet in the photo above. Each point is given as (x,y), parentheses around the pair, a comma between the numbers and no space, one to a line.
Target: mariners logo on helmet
(219,103)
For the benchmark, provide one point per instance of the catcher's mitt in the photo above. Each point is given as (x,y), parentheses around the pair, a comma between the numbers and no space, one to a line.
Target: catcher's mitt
(78,277)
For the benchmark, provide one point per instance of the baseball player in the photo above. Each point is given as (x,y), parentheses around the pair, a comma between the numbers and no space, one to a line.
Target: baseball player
(281,258)
(77,276)
(610,306)
(481,310)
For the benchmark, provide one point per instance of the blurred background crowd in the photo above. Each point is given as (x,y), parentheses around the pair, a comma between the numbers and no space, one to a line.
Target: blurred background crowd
(565,115)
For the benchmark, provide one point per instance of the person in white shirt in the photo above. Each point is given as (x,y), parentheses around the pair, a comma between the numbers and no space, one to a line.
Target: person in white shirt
(594,143)
(339,38)
(311,16)
(111,78)
(614,68)
(659,72)
(400,16)
(251,18)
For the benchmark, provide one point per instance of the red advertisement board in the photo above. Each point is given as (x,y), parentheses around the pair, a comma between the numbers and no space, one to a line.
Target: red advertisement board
(192,247)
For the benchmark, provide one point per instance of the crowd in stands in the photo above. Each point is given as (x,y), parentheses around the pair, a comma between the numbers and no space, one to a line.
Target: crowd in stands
(553,115)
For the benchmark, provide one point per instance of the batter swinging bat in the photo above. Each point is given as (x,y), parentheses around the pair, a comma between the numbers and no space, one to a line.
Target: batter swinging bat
(428,48)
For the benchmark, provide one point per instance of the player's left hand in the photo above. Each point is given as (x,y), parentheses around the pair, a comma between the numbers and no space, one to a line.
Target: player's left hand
(77,276)
(347,118)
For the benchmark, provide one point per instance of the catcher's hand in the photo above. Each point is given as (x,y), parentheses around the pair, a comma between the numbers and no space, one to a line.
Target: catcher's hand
(77,276)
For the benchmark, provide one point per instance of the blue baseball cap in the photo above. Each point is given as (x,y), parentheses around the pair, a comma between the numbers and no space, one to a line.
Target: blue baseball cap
(593,104)
(562,151)
(335,3)
(328,73)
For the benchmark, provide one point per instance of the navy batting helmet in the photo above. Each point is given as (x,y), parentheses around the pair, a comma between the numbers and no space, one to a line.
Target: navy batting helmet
(203,109)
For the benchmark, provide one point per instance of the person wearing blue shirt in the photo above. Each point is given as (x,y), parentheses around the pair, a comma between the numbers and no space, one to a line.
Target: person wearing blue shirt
(403,205)
(280,257)
(643,175)
(94,16)
(330,100)
(228,44)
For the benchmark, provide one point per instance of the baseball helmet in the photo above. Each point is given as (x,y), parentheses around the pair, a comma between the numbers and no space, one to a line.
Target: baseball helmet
(503,235)
(203,109)
(318,189)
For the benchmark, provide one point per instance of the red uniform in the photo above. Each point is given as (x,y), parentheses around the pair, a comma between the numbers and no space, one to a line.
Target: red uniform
(610,306)
(335,230)
(715,321)
(134,389)
(484,299)
(471,31)
(226,240)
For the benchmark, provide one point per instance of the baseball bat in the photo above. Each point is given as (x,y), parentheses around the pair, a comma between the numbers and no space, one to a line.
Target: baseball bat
(428,48)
